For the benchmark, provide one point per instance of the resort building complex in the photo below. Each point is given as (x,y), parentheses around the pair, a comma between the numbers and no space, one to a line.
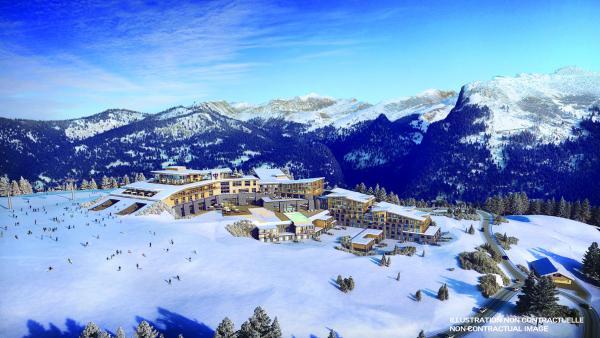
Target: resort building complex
(189,191)
(303,208)
(351,208)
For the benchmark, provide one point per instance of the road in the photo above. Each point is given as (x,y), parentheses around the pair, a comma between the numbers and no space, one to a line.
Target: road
(591,323)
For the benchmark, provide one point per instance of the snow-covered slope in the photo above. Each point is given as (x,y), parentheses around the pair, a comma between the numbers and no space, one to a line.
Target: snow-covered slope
(86,127)
(547,105)
(319,111)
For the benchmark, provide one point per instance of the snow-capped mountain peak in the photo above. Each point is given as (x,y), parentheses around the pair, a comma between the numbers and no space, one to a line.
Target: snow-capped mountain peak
(549,106)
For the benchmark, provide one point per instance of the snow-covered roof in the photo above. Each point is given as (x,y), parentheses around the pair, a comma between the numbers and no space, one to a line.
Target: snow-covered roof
(403,211)
(431,230)
(276,176)
(349,194)
(162,190)
(183,171)
(374,232)
(323,215)
(266,225)
(362,238)
(268,199)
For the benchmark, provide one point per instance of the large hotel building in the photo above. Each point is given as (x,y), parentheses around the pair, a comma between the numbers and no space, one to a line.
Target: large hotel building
(190,191)
(351,208)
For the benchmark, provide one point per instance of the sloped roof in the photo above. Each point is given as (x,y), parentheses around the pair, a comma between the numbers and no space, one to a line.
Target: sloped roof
(543,266)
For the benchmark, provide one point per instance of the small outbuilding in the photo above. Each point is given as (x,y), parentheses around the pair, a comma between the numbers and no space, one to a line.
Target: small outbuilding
(544,267)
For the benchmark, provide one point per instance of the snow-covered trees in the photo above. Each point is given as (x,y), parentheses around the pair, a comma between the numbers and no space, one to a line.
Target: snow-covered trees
(4,186)
(105,184)
(140,177)
(591,263)
(145,330)
(85,185)
(14,188)
(92,330)
(259,325)
(93,184)
(538,297)
(126,180)
(25,186)
(225,329)
(332,334)
(345,284)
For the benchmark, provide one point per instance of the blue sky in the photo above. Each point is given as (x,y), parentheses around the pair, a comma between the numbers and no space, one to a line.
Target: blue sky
(64,60)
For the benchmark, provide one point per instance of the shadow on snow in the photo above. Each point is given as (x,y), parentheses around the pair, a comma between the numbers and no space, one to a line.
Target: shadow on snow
(169,323)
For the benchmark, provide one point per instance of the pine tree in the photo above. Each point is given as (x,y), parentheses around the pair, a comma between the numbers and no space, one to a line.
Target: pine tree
(398,277)
(126,180)
(275,329)
(225,329)
(350,283)
(380,195)
(93,185)
(120,333)
(15,190)
(586,213)
(145,330)
(85,185)
(339,280)
(142,177)
(260,321)
(91,330)
(105,183)
(332,334)
(471,230)
(247,331)
(421,334)
(418,296)
(524,203)
(25,186)
(382,260)
(576,212)
(591,263)
(114,183)
(562,209)
(370,191)
(548,208)
(538,297)
(443,293)
(4,185)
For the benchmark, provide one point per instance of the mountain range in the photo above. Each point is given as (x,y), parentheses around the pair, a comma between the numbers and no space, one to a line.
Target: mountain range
(538,133)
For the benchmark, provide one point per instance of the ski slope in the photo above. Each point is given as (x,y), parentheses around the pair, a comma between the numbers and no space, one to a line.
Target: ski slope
(220,276)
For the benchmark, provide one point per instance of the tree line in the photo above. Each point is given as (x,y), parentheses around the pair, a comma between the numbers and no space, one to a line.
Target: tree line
(519,204)
(22,186)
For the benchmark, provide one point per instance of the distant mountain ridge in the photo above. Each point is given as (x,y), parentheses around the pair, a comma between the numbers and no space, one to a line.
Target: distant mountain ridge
(532,132)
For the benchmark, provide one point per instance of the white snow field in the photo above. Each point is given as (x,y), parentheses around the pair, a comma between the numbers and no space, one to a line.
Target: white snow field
(562,240)
(220,276)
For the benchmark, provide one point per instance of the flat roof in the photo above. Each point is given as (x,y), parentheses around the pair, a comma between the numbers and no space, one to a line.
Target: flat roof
(182,171)
(277,176)
(162,190)
(323,215)
(431,230)
(349,194)
(298,218)
(403,211)
(269,199)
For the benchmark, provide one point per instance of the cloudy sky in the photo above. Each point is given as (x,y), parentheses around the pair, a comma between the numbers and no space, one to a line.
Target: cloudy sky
(64,60)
